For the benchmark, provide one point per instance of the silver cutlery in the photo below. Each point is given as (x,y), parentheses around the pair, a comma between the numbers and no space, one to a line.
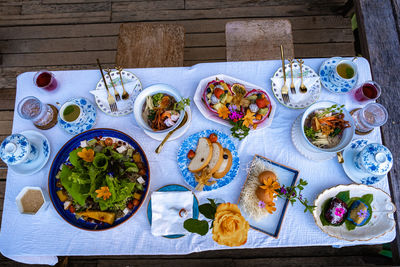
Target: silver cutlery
(110,98)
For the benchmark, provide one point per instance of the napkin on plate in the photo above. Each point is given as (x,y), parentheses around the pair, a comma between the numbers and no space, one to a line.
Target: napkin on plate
(131,87)
(165,207)
(298,97)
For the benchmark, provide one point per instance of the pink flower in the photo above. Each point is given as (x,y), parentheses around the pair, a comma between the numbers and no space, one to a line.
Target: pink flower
(339,212)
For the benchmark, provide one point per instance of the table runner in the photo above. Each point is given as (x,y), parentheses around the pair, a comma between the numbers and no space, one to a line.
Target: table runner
(24,237)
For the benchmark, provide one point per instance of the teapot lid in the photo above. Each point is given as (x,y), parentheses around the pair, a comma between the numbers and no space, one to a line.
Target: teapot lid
(377,159)
(14,149)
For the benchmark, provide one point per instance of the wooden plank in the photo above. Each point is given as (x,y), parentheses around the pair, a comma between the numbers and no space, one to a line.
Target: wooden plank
(6,115)
(323,50)
(250,12)
(5,126)
(28,9)
(3,175)
(323,36)
(188,63)
(196,4)
(149,5)
(380,43)
(204,53)
(10,10)
(191,26)
(2,191)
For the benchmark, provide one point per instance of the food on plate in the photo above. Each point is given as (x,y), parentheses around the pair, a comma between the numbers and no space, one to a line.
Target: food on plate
(358,213)
(324,127)
(209,160)
(102,180)
(336,212)
(225,165)
(160,111)
(203,155)
(259,191)
(218,96)
(217,157)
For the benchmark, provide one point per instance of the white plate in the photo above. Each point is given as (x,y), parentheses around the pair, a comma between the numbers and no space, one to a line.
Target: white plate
(355,174)
(132,85)
(198,96)
(178,133)
(381,222)
(299,100)
(43,145)
(303,147)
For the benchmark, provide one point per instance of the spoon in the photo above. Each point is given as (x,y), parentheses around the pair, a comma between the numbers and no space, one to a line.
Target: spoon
(159,148)
(125,94)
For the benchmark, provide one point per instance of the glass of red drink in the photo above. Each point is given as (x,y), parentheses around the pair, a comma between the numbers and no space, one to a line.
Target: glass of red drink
(45,79)
(369,90)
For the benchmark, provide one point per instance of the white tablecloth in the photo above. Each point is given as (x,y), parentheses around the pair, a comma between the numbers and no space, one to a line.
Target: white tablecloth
(38,239)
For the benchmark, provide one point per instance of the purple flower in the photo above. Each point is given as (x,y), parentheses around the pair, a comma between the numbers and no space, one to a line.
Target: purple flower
(232,108)
(261,204)
(283,190)
(362,213)
(301,197)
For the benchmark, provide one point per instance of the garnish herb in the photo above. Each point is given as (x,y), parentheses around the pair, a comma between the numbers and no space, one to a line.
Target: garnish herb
(239,130)
(310,133)
(182,104)
(157,98)
(293,193)
(201,226)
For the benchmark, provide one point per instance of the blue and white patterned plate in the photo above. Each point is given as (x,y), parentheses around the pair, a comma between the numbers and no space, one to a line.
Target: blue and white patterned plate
(355,174)
(191,143)
(39,141)
(173,188)
(90,111)
(326,68)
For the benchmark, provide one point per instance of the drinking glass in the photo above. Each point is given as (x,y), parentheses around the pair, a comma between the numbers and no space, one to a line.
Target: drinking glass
(45,79)
(42,115)
(371,116)
(369,90)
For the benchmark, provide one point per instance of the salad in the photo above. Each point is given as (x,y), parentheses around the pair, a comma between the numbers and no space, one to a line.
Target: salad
(103,180)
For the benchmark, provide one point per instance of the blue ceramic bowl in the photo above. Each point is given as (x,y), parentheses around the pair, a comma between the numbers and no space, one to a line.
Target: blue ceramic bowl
(149,91)
(348,133)
(63,155)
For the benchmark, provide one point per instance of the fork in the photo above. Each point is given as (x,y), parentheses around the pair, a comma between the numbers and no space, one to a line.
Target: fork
(117,97)
(303,88)
(125,94)
(110,99)
(292,87)
(284,89)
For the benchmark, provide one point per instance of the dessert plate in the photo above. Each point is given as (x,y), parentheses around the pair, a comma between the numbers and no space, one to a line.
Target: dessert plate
(326,68)
(355,174)
(172,188)
(382,220)
(42,143)
(298,100)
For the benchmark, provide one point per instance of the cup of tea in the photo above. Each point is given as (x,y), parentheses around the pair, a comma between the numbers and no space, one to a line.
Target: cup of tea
(72,113)
(46,80)
(369,90)
(344,71)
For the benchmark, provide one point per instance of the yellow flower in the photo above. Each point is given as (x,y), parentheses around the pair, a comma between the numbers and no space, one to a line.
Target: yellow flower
(103,192)
(270,207)
(230,228)
(248,118)
(86,154)
(223,112)
(270,186)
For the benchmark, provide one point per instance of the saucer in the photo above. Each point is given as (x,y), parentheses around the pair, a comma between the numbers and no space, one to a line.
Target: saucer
(326,68)
(303,147)
(43,145)
(355,174)
(89,109)
(178,133)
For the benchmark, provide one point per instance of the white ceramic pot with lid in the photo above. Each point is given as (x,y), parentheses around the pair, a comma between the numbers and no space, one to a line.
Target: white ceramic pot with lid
(375,159)
(17,149)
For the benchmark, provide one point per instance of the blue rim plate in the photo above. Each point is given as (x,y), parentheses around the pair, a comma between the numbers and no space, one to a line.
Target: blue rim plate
(355,174)
(190,143)
(272,223)
(169,188)
(324,71)
(62,157)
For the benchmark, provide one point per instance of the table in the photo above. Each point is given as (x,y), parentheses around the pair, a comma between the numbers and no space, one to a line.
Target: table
(49,235)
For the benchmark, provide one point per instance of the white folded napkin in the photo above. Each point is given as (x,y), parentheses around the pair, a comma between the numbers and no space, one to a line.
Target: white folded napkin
(298,97)
(165,207)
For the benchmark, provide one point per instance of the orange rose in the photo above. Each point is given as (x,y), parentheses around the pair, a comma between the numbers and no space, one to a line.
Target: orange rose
(230,228)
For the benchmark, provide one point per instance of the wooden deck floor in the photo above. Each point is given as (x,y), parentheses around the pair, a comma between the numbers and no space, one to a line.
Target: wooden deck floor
(71,34)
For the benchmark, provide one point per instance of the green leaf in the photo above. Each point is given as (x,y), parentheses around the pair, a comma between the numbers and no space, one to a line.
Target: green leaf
(344,196)
(196,226)
(323,209)
(208,210)
(349,225)
(212,202)
(367,199)
(100,161)
(75,159)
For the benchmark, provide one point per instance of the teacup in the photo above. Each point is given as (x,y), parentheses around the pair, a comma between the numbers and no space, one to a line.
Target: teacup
(71,112)
(343,73)
(16,149)
(375,159)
